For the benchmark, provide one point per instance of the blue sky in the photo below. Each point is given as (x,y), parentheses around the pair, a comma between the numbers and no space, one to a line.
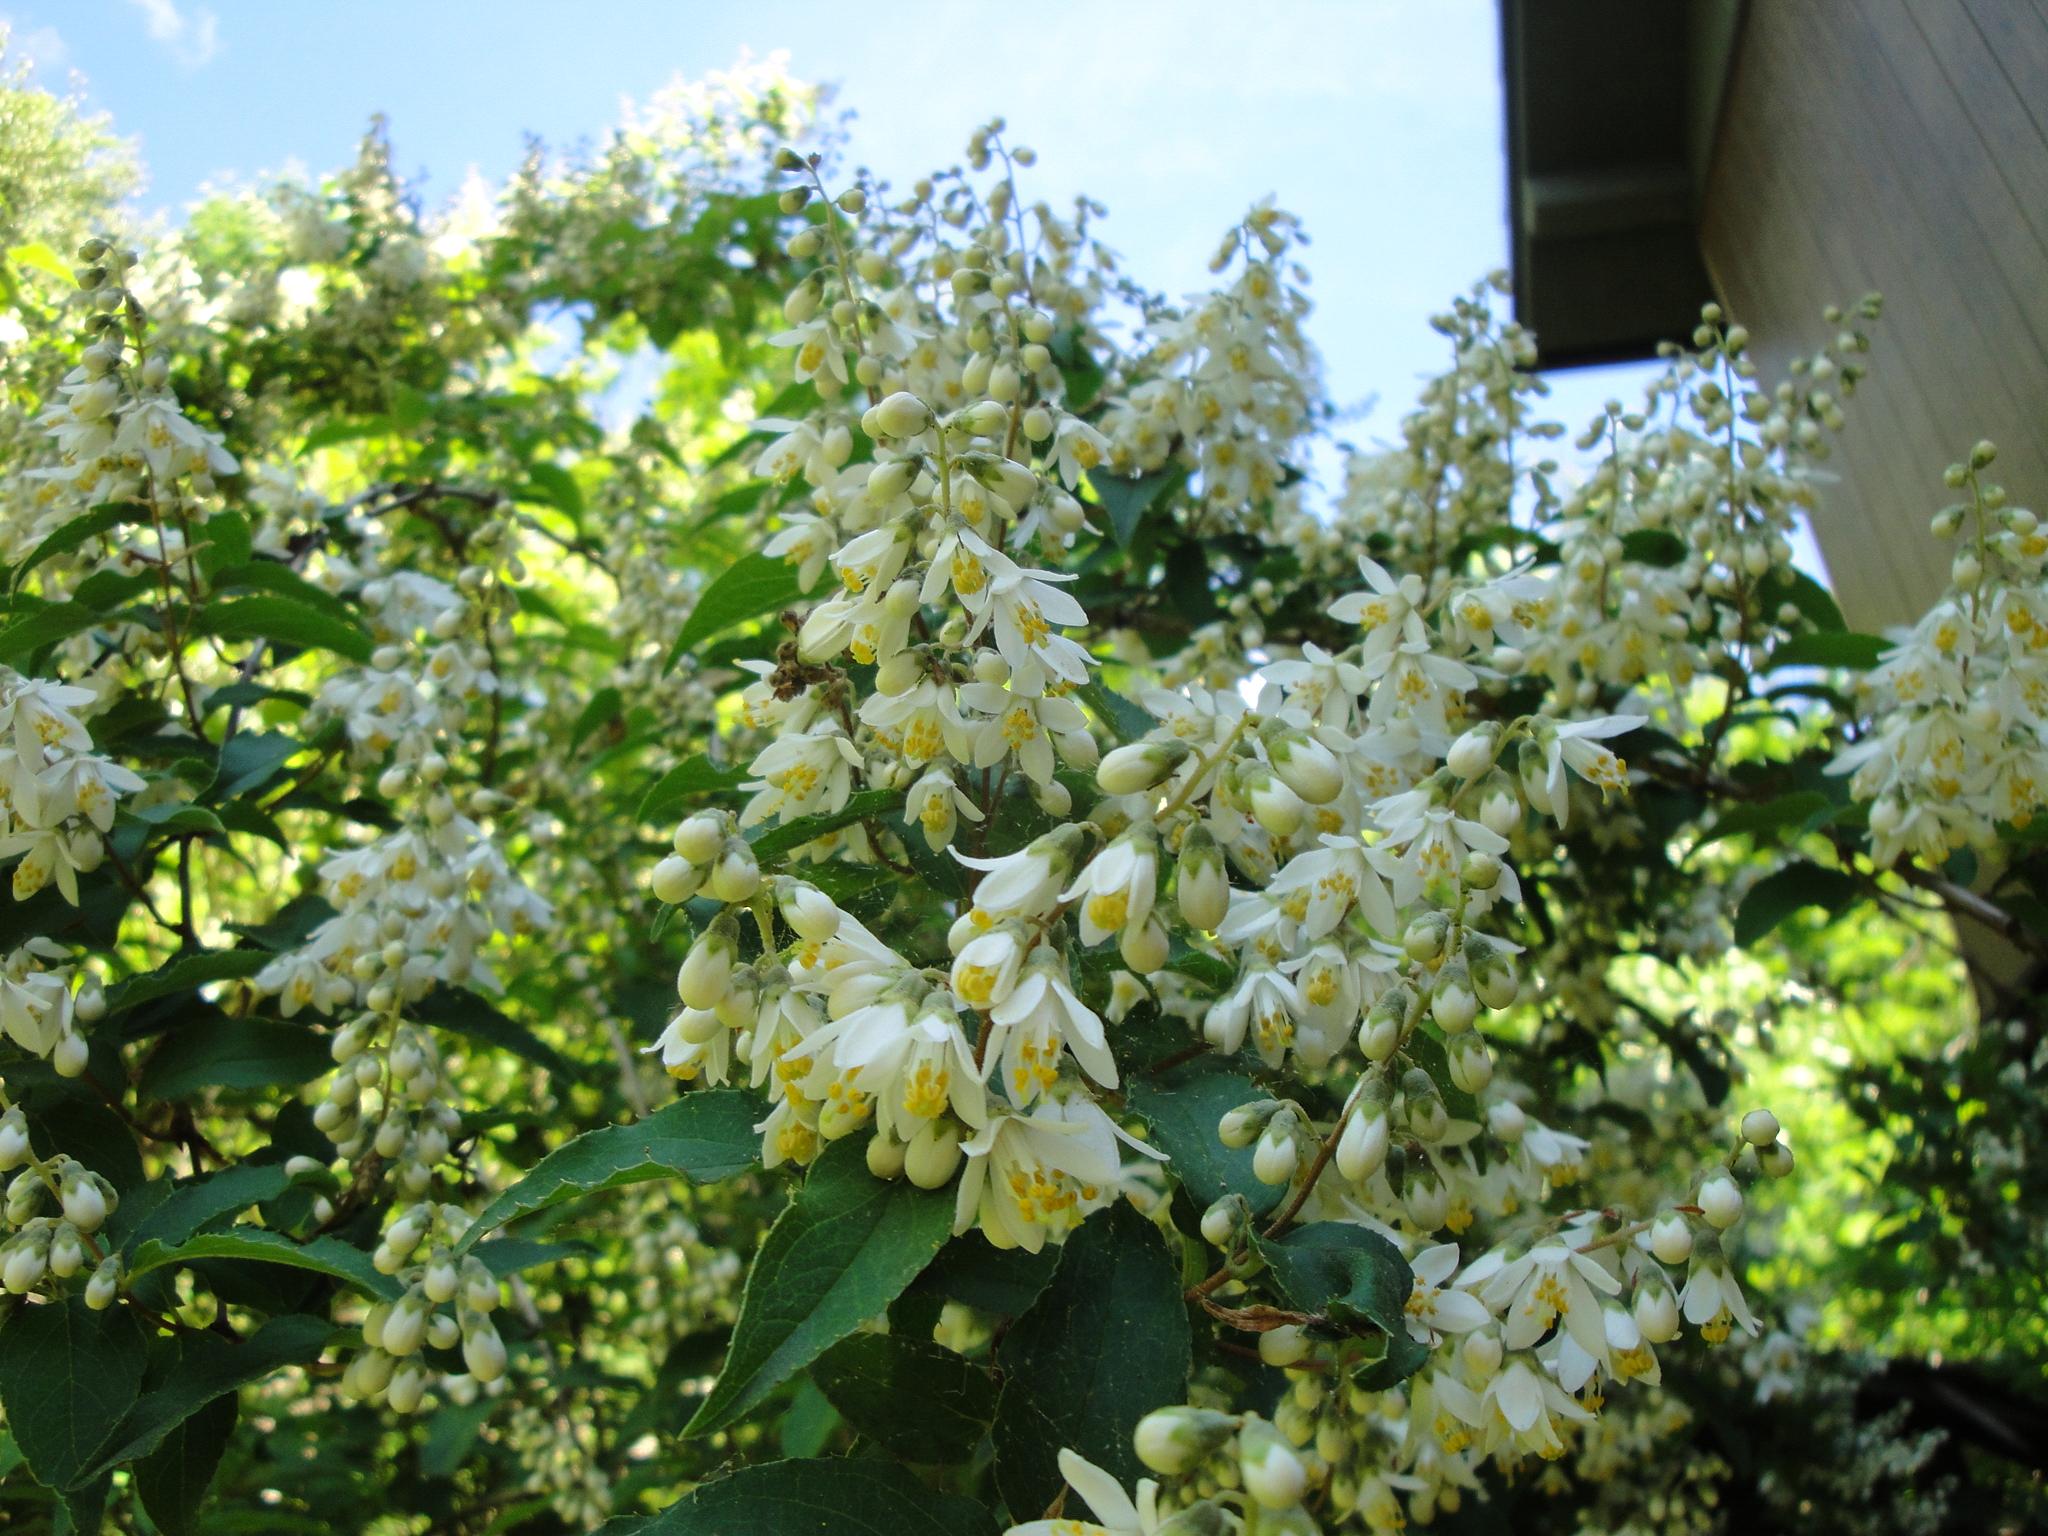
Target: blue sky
(1377,121)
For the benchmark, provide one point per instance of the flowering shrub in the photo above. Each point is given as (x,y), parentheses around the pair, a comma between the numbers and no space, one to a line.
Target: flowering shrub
(1204,976)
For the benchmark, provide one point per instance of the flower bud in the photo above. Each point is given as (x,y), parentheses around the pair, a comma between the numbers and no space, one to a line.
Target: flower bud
(1284,1346)
(1240,1127)
(1145,947)
(1306,766)
(1471,1063)
(1776,1159)
(933,1154)
(1277,1154)
(675,880)
(1656,1314)
(84,1201)
(105,1284)
(1140,766)
(1273,1473)
(706,972)
(1473,753)
(901,415)
(736,875)
(1759,1127)
(700,837)
(1202,885)
(1671,1238)
(885,1156)
(14,1143)
(1425,937)
(1171,1441)
(1362,1148)
(1224,1221)
(810,913)
(1720,1202)
(1507,1121)
(483,1351)
(1452,1003)
(1274,805)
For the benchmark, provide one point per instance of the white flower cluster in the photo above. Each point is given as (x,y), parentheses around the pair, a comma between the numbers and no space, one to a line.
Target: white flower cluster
(1958,739)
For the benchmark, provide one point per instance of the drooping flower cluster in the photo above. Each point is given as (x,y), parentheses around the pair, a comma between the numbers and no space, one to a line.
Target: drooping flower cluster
(1959,707)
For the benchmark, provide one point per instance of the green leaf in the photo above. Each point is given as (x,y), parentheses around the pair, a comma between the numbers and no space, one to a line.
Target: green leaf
(341,430)
(602,709)
(460,1010)
(1127,720)
(323,1255)
(1354,1279)
(1180,1108)
(208,1368)
(251,759)
(39,257)
(67,1375)
(703,1137)
(1128,500)
(282,581)
(915,1399)
(1805,594)
(840,1252)
(1779,894)
(1001,1281)
(172,1480)
(1106,1344)
(185,972)
(194,1203)
(1653,546)
(691,777)
(554,486)
(771,843)
(221,1052)
(285,620)
(86,525)
(751,586)
(1794,810)
(1829,648)
(814,1498)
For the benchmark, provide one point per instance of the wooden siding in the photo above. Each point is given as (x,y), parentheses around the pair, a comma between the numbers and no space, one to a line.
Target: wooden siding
(1901,146)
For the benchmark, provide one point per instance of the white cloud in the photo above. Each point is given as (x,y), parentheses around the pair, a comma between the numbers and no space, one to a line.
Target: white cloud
(41,46)
(191,39)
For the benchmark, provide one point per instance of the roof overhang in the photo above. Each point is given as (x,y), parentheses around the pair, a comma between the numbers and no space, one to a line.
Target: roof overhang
(1611,112)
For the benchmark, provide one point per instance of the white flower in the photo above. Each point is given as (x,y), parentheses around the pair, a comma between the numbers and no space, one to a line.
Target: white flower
(799,774)
(1026,883)
(1552,1283)
(1041,1015)
(1712,1299)
(935,806)
(1116,890)
(1576,745)
(1116,1513)
(1433,1310)
(1031,1178)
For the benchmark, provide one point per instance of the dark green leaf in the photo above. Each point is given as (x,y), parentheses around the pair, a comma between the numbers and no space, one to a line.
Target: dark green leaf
(67,1375)
(1180,1107)
(702,1137)
(691,777)
(286,620)
(1106,1344)
(1002,1281)
(840,1252)
(273,577)
(323,1255)
(216,1051)
(749,587)
(815,1498)
(173,1479)
(1829,648)
(251,759)
(1793,810)
(1779,894)
(1128,500)
(210,1367)
(1127,720)
(460,1010)
(916,1400)
(194,1203)
(185,972)
(1653,546)
(602,709)
(1357,1281)
(81,528)
(772,843)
